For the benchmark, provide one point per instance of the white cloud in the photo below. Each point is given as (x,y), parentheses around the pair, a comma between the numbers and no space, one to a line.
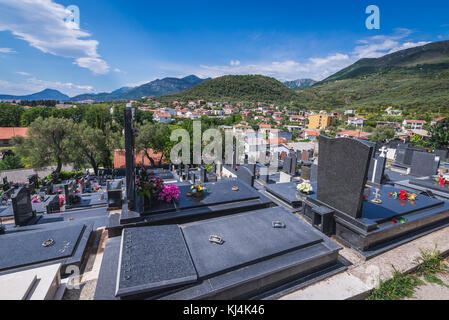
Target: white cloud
(26,74)
(7,50)
(41,24)
(117,70)
(33,85)
(317,68)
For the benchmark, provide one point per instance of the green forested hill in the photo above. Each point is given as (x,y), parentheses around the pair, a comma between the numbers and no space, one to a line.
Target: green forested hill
(250,88)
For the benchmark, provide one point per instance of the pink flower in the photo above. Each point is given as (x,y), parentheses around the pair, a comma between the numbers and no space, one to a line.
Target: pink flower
(169,193)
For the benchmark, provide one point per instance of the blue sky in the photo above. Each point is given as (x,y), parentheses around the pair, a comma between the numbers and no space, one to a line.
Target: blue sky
(123,43)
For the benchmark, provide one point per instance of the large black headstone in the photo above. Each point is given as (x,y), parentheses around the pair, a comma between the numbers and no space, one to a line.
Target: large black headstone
(314,173)
(245,174)
(424,164)
(443,154)
(264,174)
(342,173)
(203,175)
(114,190)
(21,204)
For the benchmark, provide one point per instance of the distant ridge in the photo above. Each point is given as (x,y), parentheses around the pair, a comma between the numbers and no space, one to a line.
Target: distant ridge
(237,88)
(300,83)
(47,94)
(154,88)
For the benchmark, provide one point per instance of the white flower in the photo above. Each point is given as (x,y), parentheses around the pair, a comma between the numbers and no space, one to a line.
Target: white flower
(305,187)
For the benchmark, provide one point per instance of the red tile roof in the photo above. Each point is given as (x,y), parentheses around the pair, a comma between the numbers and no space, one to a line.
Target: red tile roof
(119,158)
(8,133)
(353,134)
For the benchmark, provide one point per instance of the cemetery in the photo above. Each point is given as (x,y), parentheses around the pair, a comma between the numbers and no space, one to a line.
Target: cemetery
(221,231)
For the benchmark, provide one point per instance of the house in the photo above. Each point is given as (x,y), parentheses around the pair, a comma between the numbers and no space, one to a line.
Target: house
(6,135)
(353,134)
(437,120)
(162,117)
(229,110)
(413,124)
(276,133)
(392,112)
(311,134)
(349,112)
(246,114)
(357,121)
(300,120)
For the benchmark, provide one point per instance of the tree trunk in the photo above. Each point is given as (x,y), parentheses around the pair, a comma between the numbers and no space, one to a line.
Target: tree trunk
(150,159)
(59,167)
(160,160)
(94,166)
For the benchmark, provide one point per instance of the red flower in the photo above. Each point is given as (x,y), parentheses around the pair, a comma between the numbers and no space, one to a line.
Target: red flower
(403,192)
(394,221)
(390,194)
(402,197)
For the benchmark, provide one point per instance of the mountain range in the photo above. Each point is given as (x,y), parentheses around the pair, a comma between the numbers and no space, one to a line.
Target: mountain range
(154,88)
(416,77)
(300,83)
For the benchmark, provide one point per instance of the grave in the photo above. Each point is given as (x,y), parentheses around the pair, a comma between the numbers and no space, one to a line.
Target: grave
(220,199)
(442,154)
(253,255)
(42,244)
(22,208)
(368,219)
(286,192)
(114,190)
(404,156)
(424,164)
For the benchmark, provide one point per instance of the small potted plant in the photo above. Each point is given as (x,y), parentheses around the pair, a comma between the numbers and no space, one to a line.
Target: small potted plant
(197,190)
(148,188)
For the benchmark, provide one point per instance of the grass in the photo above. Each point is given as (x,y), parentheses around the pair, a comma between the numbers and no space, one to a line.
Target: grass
(401,285)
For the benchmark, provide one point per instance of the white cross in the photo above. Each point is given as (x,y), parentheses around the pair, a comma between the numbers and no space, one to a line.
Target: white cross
(376,194)
(383,151)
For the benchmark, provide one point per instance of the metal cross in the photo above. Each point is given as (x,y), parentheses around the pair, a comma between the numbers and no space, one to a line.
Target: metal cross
(383,151)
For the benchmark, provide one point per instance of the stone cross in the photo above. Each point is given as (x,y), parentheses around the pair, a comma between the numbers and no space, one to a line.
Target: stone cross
(383,152)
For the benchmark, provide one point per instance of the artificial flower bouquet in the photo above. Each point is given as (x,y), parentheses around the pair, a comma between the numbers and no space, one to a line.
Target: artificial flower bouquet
(403,195)
(197,190)
(441,180)
(305,187)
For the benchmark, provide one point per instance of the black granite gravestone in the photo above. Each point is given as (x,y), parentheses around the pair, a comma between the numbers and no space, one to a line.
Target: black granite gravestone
(288,163)
(21,204)
(114,190)
(443,154)
(263,252)
(376,170)
(264,174)
(298,154)
(245,174)
(342,173)
(203,175)
(305,172)
(314,173)
(424,164)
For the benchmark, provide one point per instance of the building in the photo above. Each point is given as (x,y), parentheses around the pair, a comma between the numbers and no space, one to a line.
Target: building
(353,134)
(162,117)
(320,121)
(6,135)
(120,161)
(437,120)
(413,124)
(311,134)
(300,120)
(357,121)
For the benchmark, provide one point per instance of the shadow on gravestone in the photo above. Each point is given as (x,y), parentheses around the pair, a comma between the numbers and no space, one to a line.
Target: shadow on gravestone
(342,173)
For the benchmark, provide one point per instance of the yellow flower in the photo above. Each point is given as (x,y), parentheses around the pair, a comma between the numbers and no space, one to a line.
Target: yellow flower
(411,196)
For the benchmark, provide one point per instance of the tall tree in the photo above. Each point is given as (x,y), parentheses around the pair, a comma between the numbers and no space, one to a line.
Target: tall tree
(156,137)
(48,143)
(440,134)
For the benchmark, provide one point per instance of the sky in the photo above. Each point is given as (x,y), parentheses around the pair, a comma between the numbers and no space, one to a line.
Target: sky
(127,43)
